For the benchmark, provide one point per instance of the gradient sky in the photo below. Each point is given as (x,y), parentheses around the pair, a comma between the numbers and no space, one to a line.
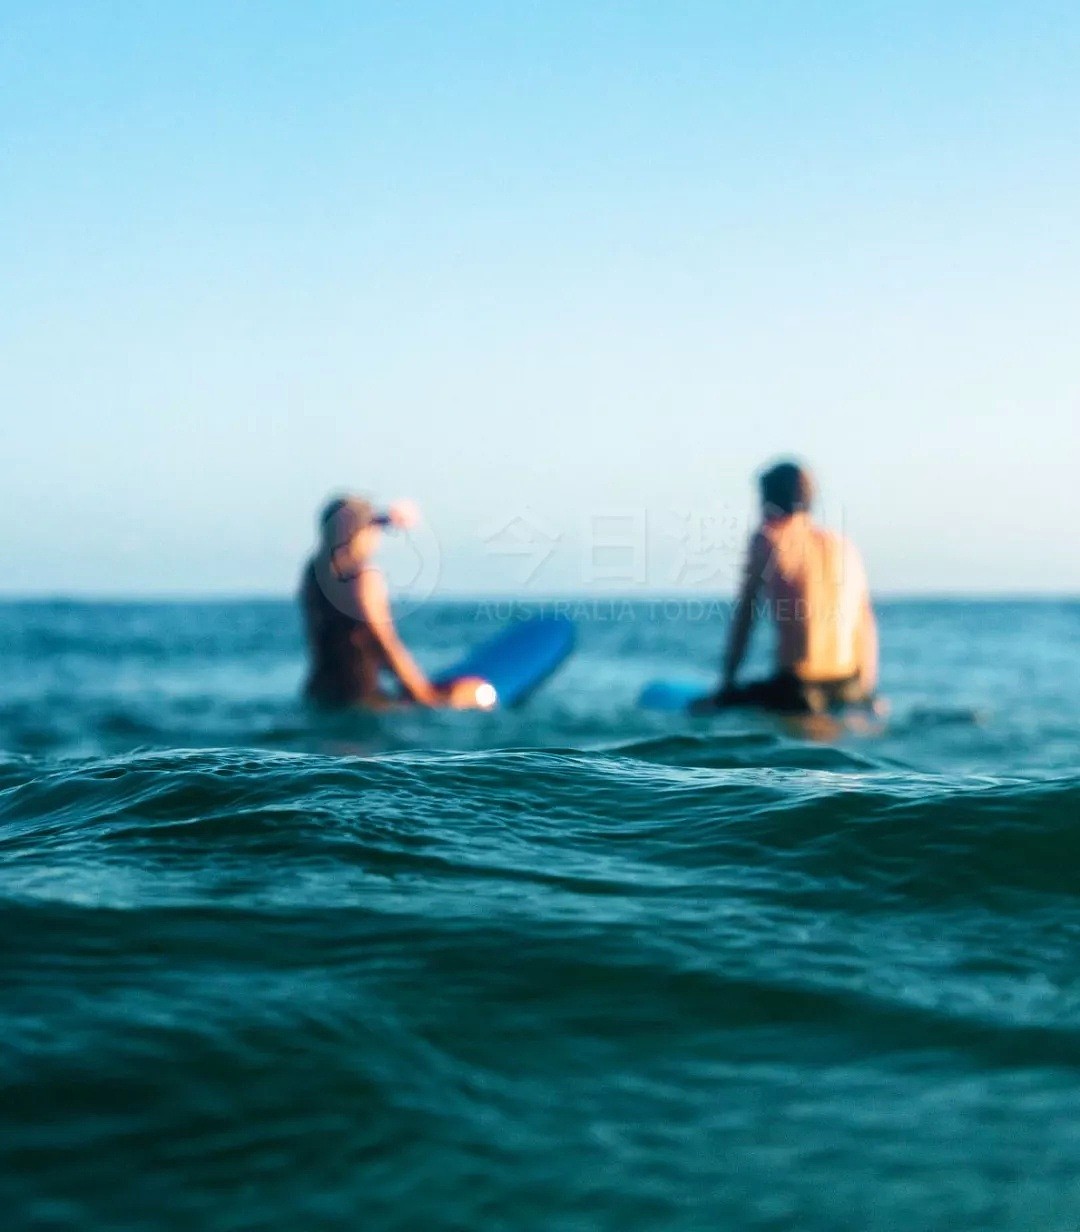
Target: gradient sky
(572,267)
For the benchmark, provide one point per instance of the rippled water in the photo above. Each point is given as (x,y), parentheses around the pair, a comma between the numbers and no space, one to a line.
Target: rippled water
(572,967)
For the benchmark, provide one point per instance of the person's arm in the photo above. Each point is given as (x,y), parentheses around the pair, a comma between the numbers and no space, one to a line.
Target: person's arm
(742,618)
(866,648)
(375,606)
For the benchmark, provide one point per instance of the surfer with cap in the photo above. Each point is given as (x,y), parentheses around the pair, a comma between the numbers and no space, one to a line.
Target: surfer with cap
(811,582)
(351,636)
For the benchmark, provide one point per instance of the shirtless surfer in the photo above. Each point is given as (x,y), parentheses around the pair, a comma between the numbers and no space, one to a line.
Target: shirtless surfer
(352,640)
(812,584)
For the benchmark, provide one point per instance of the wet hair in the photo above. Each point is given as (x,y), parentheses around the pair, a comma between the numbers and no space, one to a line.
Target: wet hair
(786,488)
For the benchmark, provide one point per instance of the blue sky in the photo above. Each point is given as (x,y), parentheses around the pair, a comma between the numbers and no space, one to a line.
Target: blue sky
(560,266)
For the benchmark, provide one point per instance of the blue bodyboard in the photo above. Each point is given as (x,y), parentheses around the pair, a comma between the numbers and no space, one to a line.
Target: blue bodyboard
(673,695)
(518,660)
(677,696)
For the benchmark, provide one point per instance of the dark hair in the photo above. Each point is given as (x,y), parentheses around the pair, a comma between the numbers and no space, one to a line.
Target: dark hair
(362,510)
(787,488)
(331,507)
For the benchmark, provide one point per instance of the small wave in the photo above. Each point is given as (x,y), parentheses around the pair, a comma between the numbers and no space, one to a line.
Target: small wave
(680,803)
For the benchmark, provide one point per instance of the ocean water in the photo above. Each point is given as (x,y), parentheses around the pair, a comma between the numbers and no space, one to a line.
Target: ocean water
(572,967)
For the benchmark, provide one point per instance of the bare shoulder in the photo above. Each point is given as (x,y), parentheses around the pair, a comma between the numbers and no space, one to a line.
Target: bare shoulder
(837,539)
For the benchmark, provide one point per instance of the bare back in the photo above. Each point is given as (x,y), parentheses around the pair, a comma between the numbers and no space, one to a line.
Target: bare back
(815,589)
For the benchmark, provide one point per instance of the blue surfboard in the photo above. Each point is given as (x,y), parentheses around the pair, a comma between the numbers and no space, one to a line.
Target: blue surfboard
(674,695)
(518,660)
(677,696)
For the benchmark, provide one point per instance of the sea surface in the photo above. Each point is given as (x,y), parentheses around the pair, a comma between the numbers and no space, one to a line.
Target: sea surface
(577,966)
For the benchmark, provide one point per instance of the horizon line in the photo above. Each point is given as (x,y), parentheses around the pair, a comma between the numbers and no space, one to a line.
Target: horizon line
(658,596)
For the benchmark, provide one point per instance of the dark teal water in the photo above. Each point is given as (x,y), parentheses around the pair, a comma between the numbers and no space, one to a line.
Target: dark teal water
(576,967)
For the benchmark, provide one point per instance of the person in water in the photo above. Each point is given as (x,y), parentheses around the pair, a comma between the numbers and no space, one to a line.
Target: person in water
(352,640)
(812,584)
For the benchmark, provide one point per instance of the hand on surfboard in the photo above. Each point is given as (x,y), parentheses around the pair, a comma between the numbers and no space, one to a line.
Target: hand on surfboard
(512,664)
(468,693)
